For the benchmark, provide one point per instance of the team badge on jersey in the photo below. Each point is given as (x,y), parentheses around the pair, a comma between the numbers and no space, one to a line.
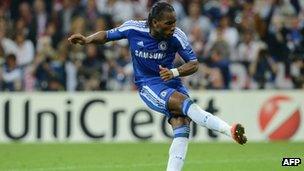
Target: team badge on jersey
(163,45)
(163,93)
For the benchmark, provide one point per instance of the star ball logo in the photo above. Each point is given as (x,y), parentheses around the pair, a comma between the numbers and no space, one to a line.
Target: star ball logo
(280,118)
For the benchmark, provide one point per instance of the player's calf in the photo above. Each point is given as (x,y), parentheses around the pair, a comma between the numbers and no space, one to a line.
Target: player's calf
(178,149)
(204,118)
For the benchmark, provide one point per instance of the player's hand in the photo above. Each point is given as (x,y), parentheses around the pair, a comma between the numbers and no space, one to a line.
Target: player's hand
(165,73)
(78,39)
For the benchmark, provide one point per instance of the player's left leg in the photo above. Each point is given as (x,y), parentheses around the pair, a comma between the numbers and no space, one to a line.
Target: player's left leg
(179,146)
(179,103)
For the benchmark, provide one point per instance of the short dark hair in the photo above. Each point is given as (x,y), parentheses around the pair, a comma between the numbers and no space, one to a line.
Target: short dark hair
(158,10)
(11,56)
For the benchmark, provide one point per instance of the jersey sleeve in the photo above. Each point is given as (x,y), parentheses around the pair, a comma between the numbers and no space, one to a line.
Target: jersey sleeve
(120,32)
(184,47)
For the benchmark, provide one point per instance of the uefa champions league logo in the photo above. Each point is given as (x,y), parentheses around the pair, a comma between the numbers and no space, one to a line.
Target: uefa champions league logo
(163,45)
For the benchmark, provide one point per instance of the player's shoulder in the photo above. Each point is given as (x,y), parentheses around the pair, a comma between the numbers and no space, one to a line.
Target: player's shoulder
(181,36)
(178,33)
(139,25)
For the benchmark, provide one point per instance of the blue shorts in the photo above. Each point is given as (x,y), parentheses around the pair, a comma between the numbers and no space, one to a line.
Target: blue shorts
(157,95)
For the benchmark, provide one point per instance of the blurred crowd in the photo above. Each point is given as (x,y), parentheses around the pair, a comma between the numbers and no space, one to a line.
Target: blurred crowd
(240,44)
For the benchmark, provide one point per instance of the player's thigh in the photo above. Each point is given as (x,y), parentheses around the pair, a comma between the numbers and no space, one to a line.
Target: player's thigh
(175,103)
(156,97)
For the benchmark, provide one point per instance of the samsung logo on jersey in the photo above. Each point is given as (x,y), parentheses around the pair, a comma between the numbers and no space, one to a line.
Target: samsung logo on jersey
(149,55)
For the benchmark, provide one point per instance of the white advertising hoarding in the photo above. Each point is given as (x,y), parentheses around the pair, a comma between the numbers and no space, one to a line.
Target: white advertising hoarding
(123,117)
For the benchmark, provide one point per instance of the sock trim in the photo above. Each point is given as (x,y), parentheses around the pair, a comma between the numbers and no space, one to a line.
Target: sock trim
(186,104)
(185,135)
(182,131)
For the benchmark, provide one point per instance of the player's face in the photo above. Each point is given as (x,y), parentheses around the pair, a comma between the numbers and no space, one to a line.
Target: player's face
(164,28)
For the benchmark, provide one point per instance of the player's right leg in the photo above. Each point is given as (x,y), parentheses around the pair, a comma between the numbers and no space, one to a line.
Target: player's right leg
(167,100)
(156,96)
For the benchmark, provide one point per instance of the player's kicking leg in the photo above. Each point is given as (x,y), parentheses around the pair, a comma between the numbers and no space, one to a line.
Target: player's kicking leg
(179,102)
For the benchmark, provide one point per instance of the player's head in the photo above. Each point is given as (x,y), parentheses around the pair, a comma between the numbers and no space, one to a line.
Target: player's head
(162,20)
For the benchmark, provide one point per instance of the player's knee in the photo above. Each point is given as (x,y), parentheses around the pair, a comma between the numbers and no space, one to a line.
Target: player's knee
(175,113)
(176,121)
(182,108)
(176,103)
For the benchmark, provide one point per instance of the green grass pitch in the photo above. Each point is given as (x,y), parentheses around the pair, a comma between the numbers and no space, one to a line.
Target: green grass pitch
(147,156)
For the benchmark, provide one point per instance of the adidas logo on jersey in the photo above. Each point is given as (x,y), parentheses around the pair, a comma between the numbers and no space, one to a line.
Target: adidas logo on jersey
(140,43)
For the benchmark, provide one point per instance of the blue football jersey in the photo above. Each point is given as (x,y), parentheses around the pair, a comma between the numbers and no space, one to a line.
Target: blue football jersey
(148,53)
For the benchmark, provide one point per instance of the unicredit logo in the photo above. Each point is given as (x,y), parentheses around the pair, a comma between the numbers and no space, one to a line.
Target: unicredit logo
(279,118)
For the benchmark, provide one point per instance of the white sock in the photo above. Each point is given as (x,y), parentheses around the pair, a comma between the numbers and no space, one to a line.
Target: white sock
(203,118)
(177,154)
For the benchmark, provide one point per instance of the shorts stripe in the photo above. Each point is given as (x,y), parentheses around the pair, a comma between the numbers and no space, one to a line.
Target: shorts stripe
(152,97)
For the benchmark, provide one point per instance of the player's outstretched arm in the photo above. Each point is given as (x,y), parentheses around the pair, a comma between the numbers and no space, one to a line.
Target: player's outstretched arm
(188,68)
(98,37)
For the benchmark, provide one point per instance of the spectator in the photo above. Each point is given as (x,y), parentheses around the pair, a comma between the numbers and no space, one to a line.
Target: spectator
(41,17)
(297,72)
(26,14)
(197,40)
(91,14)
(78,25)
(195,19)
(276,42)
(224,32)
(263,69)
(179,9)
(124,70)
(219,69)
(65,16)
(295,35)
(51,75)
(140,10)
(25,49)
(90,70)
(7,44)
(121,10)
(34,31)
(248,48)
(2,55)
(12,75)
(2,61)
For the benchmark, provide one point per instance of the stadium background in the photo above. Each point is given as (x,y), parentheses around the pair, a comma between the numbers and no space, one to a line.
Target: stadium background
(251,56)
